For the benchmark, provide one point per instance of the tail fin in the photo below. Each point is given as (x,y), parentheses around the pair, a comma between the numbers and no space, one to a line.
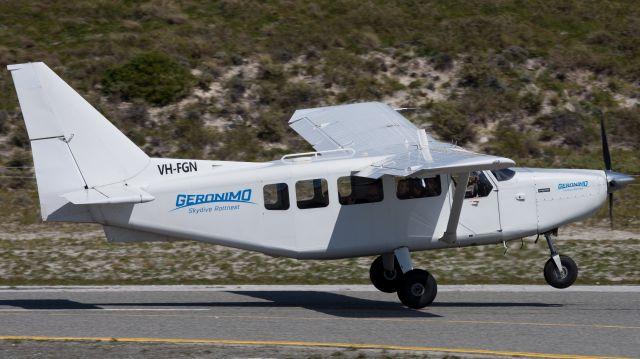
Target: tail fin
(74,147)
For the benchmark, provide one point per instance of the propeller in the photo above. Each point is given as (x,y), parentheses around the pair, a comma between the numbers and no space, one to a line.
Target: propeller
(615,180)
(606,156)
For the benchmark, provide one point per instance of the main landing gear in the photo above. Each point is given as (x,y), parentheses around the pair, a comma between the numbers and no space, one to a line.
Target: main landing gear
(560,271)
(393,272)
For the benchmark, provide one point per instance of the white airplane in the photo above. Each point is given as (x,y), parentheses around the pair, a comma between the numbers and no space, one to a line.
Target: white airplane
(377,185)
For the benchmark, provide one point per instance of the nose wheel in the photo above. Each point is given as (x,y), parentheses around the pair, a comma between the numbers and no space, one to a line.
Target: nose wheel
(560,271)
(393,272)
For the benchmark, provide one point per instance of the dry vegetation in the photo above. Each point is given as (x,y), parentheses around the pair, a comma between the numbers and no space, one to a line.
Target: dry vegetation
(219,80)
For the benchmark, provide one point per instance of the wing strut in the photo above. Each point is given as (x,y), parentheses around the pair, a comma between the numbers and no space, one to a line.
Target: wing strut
(450,234)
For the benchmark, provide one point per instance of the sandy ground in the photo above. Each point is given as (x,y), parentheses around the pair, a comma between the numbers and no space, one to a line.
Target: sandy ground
(105,350)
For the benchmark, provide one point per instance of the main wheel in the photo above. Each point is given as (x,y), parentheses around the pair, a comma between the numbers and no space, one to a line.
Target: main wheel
(384,280)
(417,289)
(561,279)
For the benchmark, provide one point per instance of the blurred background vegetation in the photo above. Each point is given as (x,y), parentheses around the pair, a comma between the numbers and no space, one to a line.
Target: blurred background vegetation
(219,80)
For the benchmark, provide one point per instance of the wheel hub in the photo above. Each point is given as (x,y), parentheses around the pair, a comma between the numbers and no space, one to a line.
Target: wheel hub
(562,274)
(417,289)
(389,274)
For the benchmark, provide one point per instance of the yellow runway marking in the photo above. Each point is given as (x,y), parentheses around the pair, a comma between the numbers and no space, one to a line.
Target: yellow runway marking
(307,344)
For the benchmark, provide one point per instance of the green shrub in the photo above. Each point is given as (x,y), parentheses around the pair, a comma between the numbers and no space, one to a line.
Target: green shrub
(624,127)
(19,136)
(189,127)
(516,53)
(271,126)
(236,87)
(513,143)
(574,128)
(480,75)
(154,77)
(531,102)
(18,175)
(442,62)
(602,98)
(450,124)
(289,96)
(4,119)
(269,71)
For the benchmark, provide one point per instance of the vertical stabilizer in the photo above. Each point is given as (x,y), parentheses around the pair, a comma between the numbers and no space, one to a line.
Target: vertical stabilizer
(74,147)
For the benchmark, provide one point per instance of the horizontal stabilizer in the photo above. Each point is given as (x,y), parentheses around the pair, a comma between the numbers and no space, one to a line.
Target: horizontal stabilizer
(108,195)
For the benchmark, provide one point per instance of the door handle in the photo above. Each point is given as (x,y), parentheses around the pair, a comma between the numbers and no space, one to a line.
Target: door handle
(520,197)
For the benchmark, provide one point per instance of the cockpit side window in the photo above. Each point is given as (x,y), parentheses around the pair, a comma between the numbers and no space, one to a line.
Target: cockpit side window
(504,174)
(478,185)
(358,190)
(413,187)
(312,193)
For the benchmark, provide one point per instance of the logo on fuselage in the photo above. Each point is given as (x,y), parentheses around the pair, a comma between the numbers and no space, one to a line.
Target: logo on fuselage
(213,202)
(573,185)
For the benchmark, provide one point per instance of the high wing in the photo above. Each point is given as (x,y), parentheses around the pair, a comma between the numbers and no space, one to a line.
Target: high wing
(375,129)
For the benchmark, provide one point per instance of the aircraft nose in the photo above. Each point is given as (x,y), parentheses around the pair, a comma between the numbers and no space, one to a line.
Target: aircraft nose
(617,181)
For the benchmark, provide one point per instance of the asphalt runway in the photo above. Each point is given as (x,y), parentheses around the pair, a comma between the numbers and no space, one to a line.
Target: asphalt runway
(486,320)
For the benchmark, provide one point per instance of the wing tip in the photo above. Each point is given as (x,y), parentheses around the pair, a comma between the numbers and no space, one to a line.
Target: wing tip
(14,67)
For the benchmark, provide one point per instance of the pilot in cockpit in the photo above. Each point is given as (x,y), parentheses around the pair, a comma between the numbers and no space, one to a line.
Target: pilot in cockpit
(472,186)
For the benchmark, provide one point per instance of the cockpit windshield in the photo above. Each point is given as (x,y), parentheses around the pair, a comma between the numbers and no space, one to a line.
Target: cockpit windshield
(504,174)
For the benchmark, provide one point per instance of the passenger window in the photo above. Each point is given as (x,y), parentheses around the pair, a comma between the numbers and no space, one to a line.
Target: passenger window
(312,193)
(357,190)
(478,185)
(276,196)
(408,188)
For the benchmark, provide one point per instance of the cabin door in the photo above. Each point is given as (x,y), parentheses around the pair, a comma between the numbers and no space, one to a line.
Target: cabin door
(480,215)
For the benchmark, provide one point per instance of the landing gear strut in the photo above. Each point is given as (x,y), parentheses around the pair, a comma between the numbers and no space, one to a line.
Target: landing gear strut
(560,271)
(394,272)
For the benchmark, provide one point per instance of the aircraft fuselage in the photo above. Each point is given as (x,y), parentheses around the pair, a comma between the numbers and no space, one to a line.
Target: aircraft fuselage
(224,203)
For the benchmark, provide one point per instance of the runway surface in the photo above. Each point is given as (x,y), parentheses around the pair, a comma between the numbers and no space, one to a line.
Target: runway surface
(489,320)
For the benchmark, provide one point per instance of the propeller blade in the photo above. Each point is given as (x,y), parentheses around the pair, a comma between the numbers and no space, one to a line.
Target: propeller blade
(605,144)
(611,210)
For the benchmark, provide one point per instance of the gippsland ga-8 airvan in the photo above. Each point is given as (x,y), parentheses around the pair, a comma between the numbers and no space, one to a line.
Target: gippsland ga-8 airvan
(376,186)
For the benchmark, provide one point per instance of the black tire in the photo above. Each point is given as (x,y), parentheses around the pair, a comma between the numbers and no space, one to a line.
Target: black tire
(383,280)
(417,289)
(561,280)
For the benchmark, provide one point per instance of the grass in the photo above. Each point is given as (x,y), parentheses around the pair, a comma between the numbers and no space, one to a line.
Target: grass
(93,261)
